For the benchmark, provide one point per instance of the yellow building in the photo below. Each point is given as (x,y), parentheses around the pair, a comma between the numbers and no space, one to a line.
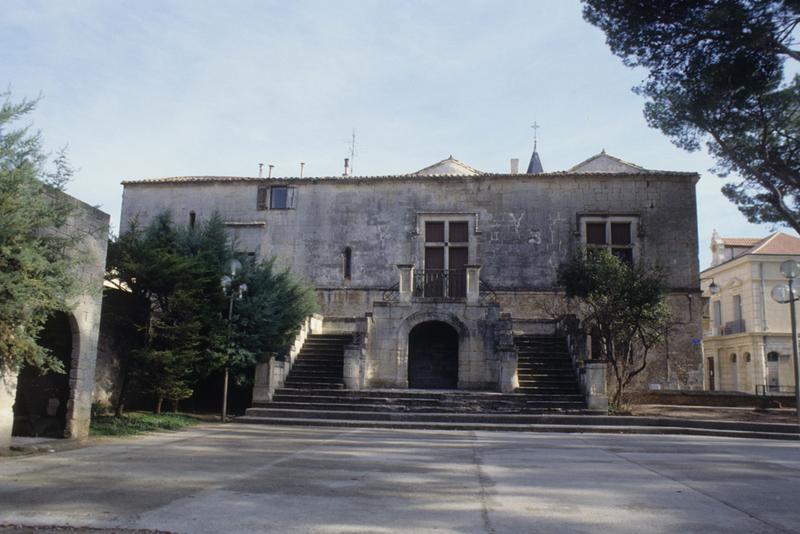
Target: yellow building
(746,334)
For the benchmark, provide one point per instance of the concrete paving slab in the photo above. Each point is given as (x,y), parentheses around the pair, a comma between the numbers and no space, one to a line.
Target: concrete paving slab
(243,478)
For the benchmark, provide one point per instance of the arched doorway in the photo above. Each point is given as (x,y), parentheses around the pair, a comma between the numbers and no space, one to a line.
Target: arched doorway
(433,356)
(40,408)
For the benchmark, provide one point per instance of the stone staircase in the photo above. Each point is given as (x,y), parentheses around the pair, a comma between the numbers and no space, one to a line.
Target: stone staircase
(548,400)
(546,374)
(320,363)
(313,393)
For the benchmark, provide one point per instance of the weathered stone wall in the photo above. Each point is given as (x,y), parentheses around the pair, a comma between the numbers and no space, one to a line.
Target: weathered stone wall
(387,346)
(84,318)
(90,256)
(521,227)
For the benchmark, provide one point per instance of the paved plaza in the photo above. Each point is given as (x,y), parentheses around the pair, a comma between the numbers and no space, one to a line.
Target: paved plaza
(240,478)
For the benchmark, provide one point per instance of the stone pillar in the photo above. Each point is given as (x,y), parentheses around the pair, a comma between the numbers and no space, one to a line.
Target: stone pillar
(596,397)
(8,393)
(507,354)
(261,391)
(406,287)
(508,369)
(352,367)
(473,283)
(277,373)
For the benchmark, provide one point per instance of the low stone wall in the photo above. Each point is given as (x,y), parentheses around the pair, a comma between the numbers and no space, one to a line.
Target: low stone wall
(711,398)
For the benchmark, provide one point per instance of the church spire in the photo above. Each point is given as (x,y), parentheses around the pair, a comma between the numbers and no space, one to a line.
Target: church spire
(535,166)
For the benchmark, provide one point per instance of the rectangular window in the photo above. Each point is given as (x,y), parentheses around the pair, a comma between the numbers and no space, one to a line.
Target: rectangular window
(620,234)
(595,233)
(434,232)
(446,255)
(717,313)
(459,232)
(278,197)
(281,197)
(613,234)
(737,308)
(261,197)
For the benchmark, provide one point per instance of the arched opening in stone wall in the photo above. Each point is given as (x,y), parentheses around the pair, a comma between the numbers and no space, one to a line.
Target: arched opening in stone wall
(433,356)
(40,408)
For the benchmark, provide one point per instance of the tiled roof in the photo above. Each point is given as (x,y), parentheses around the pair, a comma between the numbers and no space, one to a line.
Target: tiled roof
(602,162)
(740,241)
(397,177)
(448,167)
(777,243)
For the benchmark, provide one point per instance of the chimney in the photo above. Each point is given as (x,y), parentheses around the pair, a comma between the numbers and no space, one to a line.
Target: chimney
(514,165)
(302,164)
(270,171)
(260,170)
(346,167)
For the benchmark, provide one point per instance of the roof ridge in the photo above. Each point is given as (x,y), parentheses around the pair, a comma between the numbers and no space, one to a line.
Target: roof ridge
(761,244)
(603,153)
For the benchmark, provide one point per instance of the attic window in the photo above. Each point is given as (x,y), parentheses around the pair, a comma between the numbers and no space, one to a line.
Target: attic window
(261,197)
(281,197)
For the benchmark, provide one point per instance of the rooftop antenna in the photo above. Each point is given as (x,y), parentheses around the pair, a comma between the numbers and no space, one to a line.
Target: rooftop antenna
(302,164)
(270,170)
(260,170)
(352,152)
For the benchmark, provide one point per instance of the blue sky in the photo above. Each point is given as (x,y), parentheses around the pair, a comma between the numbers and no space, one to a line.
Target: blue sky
(144,89)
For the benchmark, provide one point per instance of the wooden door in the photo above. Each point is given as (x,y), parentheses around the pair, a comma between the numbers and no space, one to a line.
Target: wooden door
(434,272)
(457,279)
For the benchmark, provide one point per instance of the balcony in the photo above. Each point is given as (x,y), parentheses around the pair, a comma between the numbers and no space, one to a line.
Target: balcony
(440,284)
(733,327)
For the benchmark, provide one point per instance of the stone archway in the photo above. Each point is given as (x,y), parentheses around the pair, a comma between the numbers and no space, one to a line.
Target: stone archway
(433,356)
(42,400)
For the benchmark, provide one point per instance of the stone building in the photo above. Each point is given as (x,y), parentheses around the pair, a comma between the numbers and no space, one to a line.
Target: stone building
(747,338)
(450,259)
(59,405)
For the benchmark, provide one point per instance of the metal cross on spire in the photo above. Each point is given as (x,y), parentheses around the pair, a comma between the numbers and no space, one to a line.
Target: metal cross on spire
(535,166)
(535,127)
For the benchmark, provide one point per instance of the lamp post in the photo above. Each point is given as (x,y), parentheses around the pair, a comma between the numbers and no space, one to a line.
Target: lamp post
(786,293)
(235,290)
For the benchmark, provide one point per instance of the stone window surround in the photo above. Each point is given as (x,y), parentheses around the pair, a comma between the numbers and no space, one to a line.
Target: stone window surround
(418,234)
(631,217)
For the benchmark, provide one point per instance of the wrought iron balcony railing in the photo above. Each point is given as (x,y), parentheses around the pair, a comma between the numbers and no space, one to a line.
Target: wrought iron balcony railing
(441,283)
(734,327)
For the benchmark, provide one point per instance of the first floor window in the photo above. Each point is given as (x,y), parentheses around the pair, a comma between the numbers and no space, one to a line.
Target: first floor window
(614,234)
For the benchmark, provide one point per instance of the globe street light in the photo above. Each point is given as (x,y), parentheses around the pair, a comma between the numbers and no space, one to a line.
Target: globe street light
(235,290)
(784,293)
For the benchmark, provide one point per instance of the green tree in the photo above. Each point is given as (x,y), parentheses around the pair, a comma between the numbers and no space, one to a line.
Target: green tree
(37,274)
(624,308)
(269,317)
(716,75)
(175,306)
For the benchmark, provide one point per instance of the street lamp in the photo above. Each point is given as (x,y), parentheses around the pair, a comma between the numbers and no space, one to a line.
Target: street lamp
(713,288)
(784,293)
(235,290)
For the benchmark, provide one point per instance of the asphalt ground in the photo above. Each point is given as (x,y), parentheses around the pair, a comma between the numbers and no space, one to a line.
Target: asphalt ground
(250,478)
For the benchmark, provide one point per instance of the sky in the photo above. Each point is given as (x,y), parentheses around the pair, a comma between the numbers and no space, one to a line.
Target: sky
(147,89)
